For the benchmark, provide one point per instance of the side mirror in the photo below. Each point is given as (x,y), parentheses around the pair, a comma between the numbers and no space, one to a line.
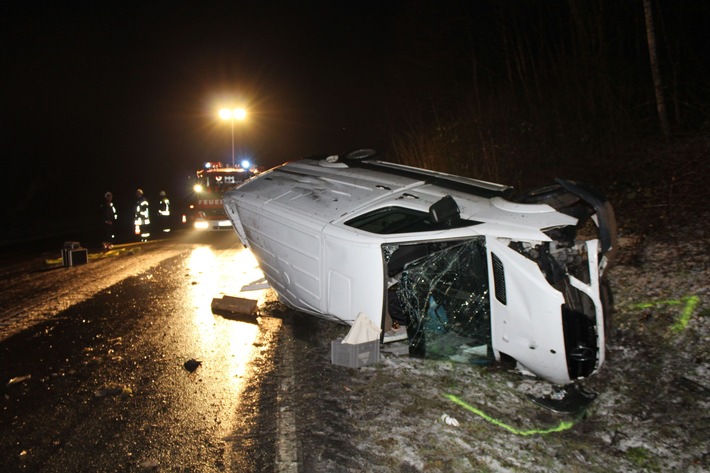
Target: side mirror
(444,210)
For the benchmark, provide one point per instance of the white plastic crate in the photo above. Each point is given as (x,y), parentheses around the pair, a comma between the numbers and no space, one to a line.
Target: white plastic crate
(354,355)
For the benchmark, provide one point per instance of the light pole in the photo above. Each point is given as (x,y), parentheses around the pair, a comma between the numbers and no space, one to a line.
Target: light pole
(233,114)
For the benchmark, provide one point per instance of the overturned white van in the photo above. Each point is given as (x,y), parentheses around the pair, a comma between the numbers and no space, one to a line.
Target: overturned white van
(471,271)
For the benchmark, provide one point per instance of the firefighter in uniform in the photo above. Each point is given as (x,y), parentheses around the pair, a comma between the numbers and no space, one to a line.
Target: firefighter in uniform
(164,212)
(142,216)
(109,217)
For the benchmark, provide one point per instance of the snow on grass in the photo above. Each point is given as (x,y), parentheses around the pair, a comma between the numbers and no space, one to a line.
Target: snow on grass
(644,418)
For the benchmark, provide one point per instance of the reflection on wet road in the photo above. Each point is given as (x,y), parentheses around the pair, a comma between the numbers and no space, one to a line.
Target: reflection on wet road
(214,273)
(101,386)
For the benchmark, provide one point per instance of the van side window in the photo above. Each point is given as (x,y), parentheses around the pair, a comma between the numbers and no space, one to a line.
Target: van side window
(390,220)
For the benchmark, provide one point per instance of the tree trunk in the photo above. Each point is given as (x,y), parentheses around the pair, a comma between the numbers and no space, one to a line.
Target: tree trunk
(655,71)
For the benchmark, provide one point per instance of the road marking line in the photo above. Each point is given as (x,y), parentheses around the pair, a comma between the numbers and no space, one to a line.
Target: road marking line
(287,441)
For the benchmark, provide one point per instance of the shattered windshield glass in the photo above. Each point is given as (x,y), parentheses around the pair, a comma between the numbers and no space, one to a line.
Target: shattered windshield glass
(445,295)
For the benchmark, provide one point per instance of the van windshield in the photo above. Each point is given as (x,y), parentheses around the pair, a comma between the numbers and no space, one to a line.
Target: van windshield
(445,295)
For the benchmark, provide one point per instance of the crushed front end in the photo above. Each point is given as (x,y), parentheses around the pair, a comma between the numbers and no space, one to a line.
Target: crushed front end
(543,303)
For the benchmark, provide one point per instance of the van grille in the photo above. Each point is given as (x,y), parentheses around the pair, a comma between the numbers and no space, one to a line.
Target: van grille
(499,279)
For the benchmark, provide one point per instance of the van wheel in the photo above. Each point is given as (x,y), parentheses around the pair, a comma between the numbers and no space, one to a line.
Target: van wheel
(553,195)
(361,154)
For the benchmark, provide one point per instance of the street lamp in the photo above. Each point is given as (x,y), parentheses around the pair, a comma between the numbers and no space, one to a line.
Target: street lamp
(233,114)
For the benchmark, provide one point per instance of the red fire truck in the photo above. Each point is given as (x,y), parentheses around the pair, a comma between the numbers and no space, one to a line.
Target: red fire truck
(211,182)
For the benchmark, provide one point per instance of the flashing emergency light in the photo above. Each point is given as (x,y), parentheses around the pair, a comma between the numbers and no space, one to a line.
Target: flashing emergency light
(246,164)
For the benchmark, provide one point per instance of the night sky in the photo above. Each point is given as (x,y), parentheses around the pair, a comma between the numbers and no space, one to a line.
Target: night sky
(103,96)
(98,96)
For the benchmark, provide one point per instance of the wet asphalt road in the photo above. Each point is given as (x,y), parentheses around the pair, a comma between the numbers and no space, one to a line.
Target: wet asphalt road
(93,364)
(93,379)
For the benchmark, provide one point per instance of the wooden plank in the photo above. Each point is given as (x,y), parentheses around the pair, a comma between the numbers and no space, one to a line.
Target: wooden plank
(235,307)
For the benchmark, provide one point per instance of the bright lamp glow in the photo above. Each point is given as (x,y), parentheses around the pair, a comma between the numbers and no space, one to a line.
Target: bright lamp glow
(197,188)
(232,114)
(246,164)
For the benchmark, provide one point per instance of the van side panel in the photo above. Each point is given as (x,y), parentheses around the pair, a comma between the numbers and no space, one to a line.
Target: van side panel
(289,253)
(359,261)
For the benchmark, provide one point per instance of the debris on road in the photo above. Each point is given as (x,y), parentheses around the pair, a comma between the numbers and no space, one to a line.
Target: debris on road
(236,308)
(448,420)
(259,285)
(360,347)
(150,465)
(123,391)
(192,364)
(569,399)
(18,379)
(354,355)
(397,348)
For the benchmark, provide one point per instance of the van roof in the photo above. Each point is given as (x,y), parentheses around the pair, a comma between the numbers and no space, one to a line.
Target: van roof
(327,190)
